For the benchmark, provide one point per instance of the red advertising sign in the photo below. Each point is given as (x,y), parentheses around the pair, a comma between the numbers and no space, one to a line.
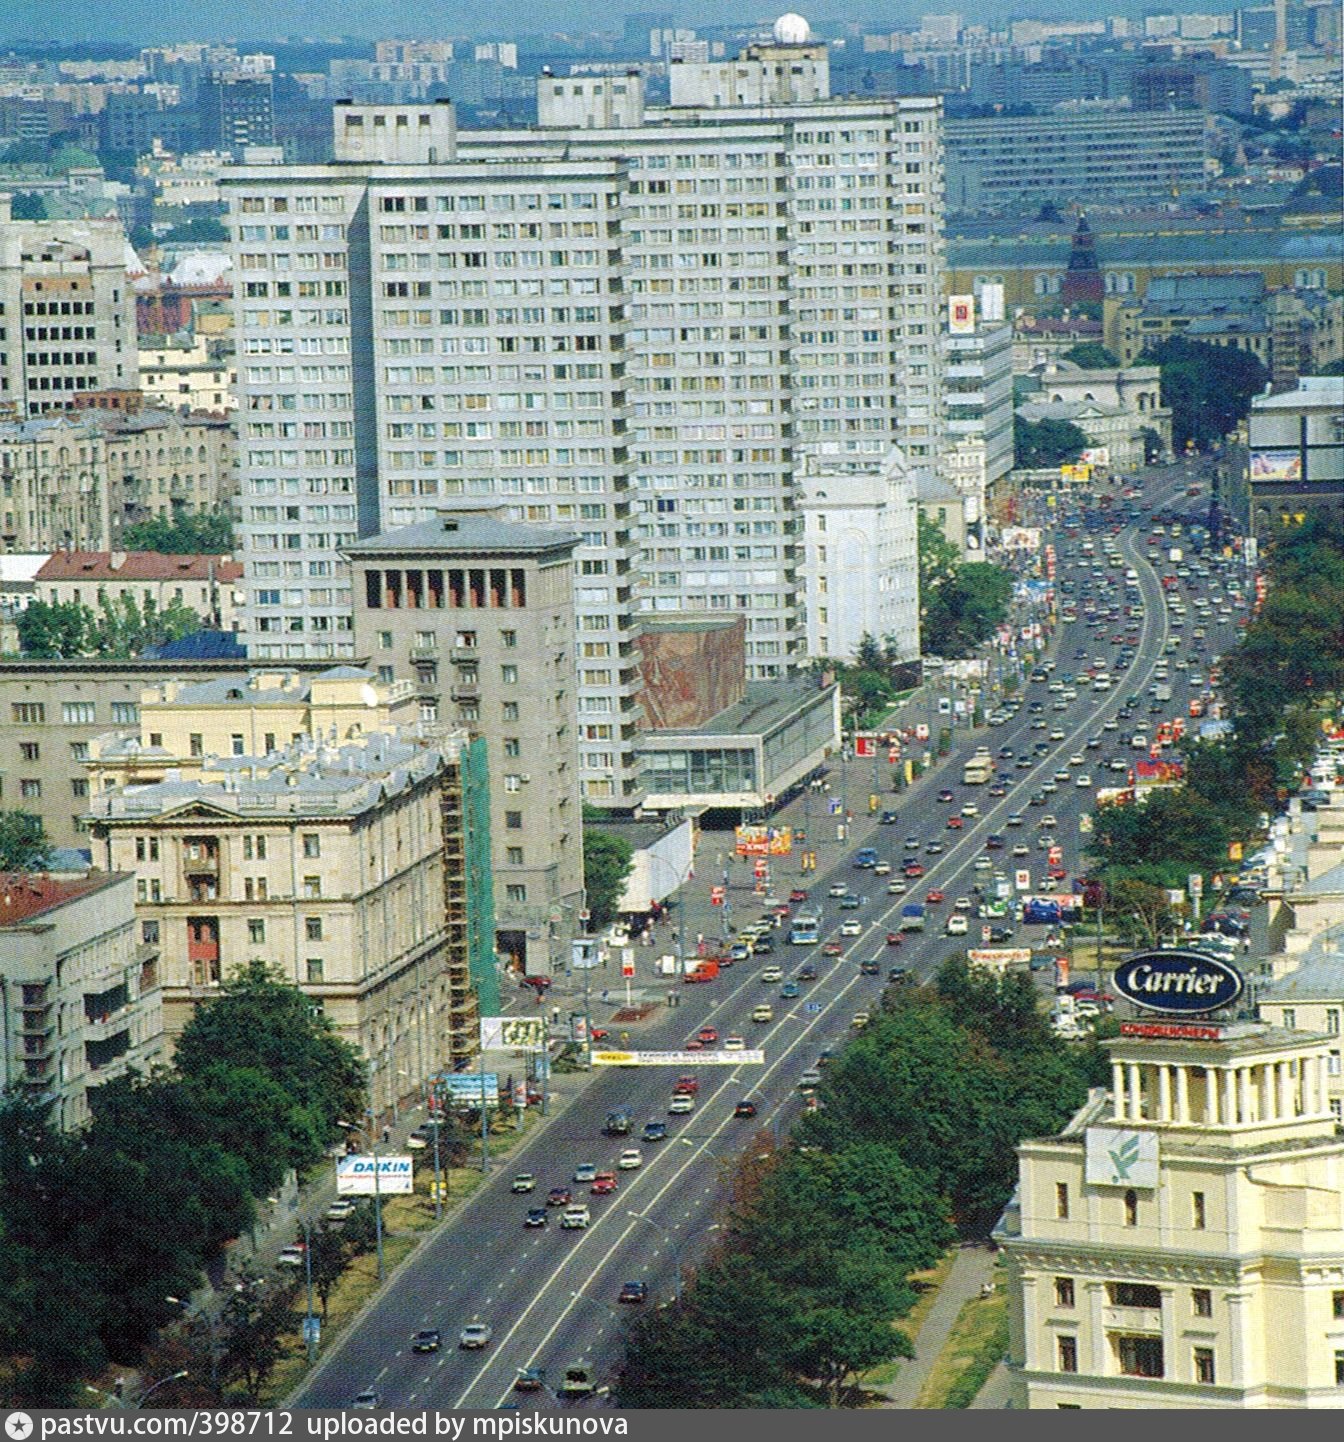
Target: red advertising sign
(865,746)
(1172,1030)
(627,966)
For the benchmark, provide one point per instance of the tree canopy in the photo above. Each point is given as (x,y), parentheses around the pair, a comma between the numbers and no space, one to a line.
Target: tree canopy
(203,533)
(607,863)
(121,627)
(1044,443)
(961,603)
(1208,387)
(1092,355)
(23,842)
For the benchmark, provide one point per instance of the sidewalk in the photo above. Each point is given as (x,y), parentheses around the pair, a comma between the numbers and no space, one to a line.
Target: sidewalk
(970,1271)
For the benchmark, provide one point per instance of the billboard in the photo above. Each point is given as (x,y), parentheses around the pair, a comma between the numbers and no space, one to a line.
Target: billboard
(961,314)
(1181,982)
(525,1033)
(999,958)
(764,840)
(1276,465)
(1120,1157)
(463,1089)
(355,1175)
(750,1057)
(1096,456)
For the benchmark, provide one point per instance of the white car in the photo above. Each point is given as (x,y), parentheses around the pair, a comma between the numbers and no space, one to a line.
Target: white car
(970,809)
(850,928)
(476,1335)
(883,868)
(734,1043)
(957,925)
(1083,782)
(773,973)
(1076,760)
(681,1105)
(896,888)
(630,1160)
(574,1219)
(838,888)
(962,903)
(1056,734)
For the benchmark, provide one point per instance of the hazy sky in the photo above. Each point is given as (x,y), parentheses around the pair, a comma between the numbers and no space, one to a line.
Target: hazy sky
(145,21)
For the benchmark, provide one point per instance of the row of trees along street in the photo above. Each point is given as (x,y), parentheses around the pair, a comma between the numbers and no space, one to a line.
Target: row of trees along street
(1278,682)
(911,1147)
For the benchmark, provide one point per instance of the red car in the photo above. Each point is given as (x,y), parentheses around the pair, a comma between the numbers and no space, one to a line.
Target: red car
(797,894)
(708,1034)
(538,983)
(686,1086)
(599,1033)
(832,948)
(893,938)
(695,1044)
(604,1184)
(954,823)
(913,869)
(932,898)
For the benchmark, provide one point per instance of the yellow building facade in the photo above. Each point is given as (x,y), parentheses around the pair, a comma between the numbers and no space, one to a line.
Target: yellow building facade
(1180,1244)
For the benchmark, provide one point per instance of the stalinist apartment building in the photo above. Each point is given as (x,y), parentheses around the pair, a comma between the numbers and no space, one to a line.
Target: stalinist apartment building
(1181,1242)
(628,322)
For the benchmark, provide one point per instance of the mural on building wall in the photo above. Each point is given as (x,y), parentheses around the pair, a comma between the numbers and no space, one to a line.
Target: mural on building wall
(692,673)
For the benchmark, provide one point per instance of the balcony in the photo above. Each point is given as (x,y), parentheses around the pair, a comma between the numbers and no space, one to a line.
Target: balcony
(1134,1320)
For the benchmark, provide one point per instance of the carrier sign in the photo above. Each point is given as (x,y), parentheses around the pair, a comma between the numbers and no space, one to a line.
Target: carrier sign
(1186,983)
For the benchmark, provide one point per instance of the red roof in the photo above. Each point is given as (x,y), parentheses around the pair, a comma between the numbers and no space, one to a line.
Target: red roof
(24,895)
(136,566)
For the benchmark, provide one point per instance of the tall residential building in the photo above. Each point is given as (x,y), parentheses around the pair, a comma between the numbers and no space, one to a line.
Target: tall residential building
(979,403)
(289,818)
(627,322)
(236,108)
(1181,1242)
(479,613)
(67,313)
(79,992)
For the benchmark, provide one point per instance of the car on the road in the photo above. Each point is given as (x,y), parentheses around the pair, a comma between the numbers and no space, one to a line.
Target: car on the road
(999,934)
(654,1132)
(559,1197)
(291,1256)
(798,894)
(912,869)
(896,888)
(536,1217)
(772,973)
(1021,850)
(791,989)
(681,1105)
(529,1379)
(585,1172)
(883,868)
(850,928)
(745,1109)
(604,1184)
(734,1043)
(970,809)
(575,1218)
(851,902)
(895,938)
(630,1160)
(427,1339)
(1056,734)
(476,1335)
(805,973)
(633,1292)
(946,795)
(859,1020)
(1013,819)
(934,848)
(523,1182)
(957,925)
(763,1014)
(888,818)
(367,1401)
(708,1034)
(340,1209)
(838,888)
(955,823)
(994,842)
(1083,781)
(832,948)
(687,1085)
(933,897)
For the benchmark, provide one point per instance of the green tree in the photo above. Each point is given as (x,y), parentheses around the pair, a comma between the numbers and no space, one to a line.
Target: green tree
(23,842)
(203,533)
(330,1255)
(962,613)
(1161,840)
(1208,387)
(49,631)
(1038,445)
(832,1345)
(254,1339)
(607,863)
(260,1022)
(28,205)
(939,558)
(1139,909)
(1092,355)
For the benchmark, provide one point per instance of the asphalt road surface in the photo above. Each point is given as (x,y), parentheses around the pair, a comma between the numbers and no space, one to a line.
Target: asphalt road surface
(551,1295)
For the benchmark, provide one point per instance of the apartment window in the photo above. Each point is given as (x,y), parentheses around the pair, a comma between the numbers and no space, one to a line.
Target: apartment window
(256,930)
(384,640)
(1337,1305)
(513,821)
(77,713)
(125,713)
(312,844)
(1131,1208)
(79,786)
(28,713)
(1204,1370)
(1201,1300)
(1140,1356)
(1289,1018)
(236,745)
(314,968)
(312,928)
(156,738)
(1062,1201)
(79,751)
(254,848)
(1063,1291)
(1339,1369)
(146,848)
(514,855)
(510,710)
(509,639)
(515,893)
(512,746)
(254,888)
(1197,1213)
(513,784)
(30,788)
(1135,1294)
(149,933)
(1068,1354)
(30,751)
(196,744)
(509,675)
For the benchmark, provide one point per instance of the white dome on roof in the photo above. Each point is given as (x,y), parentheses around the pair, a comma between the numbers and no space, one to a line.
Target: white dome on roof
(792,29)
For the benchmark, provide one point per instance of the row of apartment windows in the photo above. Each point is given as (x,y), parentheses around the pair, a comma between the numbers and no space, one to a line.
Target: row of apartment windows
(1130,1204)
(73,713)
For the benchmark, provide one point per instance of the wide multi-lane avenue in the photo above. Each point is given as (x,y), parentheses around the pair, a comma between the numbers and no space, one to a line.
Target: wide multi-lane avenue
(549,1295)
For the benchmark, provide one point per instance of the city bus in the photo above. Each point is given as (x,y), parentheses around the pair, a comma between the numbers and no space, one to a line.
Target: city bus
(804,930)
(977,771)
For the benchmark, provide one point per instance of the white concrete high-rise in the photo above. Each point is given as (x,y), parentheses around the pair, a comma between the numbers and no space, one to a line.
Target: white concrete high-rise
(630,322)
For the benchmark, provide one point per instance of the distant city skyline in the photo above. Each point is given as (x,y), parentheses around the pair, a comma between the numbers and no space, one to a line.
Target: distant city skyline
(79,21)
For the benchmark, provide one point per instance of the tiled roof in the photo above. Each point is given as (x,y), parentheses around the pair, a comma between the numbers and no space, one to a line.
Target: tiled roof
(24,895)
(136,566)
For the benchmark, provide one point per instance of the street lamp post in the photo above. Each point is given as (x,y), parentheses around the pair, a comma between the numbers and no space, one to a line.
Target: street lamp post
(371,1138)
(678,1247)
(162,1382)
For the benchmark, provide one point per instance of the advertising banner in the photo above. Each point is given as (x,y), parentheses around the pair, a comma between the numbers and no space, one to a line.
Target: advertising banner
(463,1089)
(355,1175)
(1276,465)
(764,840)
(999,958)
(1117,1157)
(750,1057)
(518,1033)
(961,314)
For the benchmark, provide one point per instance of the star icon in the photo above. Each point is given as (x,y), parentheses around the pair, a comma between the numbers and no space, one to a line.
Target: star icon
(19,1426)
